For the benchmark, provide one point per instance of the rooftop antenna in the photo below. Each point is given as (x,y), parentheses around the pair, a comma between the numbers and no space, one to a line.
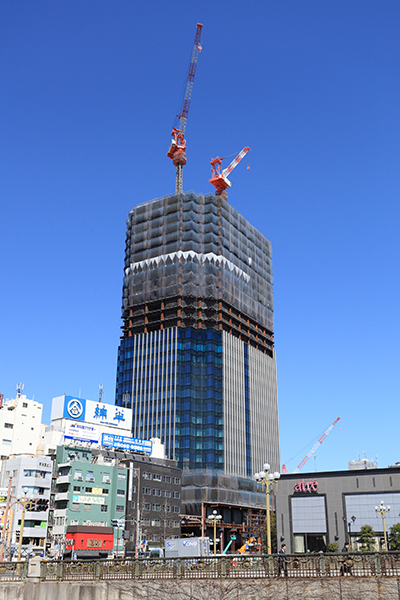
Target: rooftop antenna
(20,388)
(100,391)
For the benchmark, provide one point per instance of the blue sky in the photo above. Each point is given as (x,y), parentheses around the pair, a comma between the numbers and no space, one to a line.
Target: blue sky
(89,91)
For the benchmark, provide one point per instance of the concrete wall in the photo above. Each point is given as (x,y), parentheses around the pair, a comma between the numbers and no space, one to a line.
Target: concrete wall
(360,588)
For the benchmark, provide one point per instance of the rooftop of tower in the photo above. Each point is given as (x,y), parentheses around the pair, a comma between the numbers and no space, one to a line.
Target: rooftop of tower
(194,260)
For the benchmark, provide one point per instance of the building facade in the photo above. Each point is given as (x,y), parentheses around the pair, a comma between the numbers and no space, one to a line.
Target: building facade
(153,502)
(314,510)
(89,489)
(196,361)
(20,426)
(30,474)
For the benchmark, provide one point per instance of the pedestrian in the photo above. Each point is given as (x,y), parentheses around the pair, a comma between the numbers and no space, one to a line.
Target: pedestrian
(282,564)
(345,568)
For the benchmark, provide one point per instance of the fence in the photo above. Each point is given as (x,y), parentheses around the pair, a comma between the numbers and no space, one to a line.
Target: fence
(302,566)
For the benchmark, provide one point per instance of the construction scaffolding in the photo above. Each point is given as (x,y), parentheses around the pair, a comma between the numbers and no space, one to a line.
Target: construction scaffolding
(194,261)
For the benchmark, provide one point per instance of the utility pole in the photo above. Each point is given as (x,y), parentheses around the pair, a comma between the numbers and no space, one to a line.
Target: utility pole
(4,535)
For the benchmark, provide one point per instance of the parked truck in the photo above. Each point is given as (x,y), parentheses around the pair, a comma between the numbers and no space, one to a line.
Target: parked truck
(191,547)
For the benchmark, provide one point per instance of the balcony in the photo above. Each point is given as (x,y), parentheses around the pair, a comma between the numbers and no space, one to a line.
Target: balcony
(35,532)
(63,479)
(61,496)
(59,530)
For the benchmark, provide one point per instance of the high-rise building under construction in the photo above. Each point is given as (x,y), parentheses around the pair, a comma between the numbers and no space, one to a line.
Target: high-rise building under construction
(196,360)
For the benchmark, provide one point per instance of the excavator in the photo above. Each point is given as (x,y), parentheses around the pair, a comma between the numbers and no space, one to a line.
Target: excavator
(247,546)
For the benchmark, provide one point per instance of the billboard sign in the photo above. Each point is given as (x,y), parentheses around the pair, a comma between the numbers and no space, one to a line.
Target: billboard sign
(88,499)
(3,496)
(88,411)
(109,440)
(81,432)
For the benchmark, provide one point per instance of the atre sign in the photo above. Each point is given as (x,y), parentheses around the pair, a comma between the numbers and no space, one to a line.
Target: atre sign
(306,486)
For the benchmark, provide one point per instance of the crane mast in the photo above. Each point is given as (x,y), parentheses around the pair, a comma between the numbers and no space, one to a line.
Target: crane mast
(177,148)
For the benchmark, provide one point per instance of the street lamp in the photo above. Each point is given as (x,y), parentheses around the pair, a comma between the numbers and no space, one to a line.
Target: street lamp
(214,519)
(351,521)
(383,510)
(267,480)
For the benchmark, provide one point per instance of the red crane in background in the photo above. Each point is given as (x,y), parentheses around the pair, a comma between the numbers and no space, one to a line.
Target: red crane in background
(313,449)
(177,148)
(219,177)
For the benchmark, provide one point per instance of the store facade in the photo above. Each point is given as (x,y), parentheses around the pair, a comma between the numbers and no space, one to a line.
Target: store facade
(314,510)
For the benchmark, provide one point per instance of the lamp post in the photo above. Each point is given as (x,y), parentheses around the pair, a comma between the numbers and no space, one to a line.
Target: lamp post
(214,519)
(383,510)
(267,480)
(351,521)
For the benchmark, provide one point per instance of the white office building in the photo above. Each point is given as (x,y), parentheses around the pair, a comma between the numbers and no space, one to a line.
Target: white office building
(20,426)
(30,474)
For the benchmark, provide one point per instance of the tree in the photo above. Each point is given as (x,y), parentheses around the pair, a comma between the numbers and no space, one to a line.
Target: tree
(394,537)
(367,538)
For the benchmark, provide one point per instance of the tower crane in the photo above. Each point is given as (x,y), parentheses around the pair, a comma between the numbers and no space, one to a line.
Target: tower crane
(177,148)
(219,177)
(313,449)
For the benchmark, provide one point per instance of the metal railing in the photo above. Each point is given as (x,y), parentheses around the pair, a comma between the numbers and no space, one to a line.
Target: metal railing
(299,566)
(13,571)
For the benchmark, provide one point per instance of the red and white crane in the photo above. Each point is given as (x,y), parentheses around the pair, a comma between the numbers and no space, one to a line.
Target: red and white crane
(219,177)
(313,449)
(177,148)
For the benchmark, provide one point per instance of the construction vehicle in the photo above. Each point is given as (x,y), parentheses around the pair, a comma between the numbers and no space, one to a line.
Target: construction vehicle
(177,148)
(249,545)
(219,177)
(313,449)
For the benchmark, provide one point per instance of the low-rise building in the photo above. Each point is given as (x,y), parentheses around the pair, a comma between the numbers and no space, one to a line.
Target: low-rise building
(89,489)
(314,510)
(153,501)
(31,479)
(20,426)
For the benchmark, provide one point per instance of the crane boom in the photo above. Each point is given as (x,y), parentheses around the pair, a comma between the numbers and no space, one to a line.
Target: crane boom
(313,449)
(219,177)
(177,148)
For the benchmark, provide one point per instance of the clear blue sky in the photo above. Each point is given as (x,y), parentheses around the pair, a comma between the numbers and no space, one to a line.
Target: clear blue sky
(89,91)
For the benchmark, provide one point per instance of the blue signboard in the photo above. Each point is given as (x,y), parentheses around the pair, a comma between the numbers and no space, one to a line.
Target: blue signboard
(74,408)
(110,440)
